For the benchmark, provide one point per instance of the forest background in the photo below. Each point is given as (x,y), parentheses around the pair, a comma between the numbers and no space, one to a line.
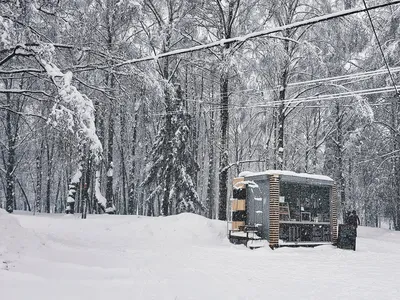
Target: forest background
(87,126)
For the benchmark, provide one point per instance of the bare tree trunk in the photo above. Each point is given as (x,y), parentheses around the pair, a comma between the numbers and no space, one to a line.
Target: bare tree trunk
(110,208)
(86,184)
(280,129)
(73,190)
(57,207)
(211,169)
(281,114)
(317,120)
(26,202)
(110,80)
(124,183)
(339,155)
(11,162)
(168,129)
(110,167)
(228,23)
(39,175)
(195,129)
(223,163)
(395,162)
(308,146)
(49,153)
(132,191)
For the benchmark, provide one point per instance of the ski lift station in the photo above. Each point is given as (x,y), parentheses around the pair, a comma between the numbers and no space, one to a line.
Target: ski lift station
(285,208)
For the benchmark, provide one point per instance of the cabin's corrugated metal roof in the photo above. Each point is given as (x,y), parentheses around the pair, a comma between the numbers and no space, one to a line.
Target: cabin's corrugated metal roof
(249,175)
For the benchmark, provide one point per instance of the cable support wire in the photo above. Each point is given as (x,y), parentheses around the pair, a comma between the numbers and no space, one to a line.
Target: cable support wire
(277,103)
(329,96)
(274,104)
(359,75)
(381,50)
(266,32)
(306,99)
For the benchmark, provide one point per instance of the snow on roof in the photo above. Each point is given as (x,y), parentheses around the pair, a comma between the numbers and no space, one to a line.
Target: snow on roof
(285,173)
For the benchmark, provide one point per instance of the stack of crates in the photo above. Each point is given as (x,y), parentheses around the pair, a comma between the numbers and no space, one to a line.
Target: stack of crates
(239,214)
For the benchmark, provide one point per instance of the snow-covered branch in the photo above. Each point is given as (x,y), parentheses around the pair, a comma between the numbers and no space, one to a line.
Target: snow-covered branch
(20,91)
(257,34)
(80,117)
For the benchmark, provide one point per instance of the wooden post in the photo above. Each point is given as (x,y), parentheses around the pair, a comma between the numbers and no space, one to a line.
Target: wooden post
(333,204)
(238,204)
(274,192)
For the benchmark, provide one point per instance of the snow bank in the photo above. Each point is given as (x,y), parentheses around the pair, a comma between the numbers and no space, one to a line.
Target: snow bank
(186,257)
(127,233)
(185,228)
(14,240)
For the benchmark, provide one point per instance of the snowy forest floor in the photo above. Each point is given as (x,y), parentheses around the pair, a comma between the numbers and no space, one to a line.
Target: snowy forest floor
(181,257)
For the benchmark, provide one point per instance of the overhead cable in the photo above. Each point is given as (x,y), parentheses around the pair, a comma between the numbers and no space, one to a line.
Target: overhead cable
(266,32)
(381,50)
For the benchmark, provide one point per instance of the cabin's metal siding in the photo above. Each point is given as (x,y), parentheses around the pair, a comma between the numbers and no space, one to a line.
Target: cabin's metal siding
(268,186)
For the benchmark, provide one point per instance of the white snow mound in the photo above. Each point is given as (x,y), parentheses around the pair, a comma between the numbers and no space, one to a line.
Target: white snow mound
(184,257)
(182,228)
(15,239)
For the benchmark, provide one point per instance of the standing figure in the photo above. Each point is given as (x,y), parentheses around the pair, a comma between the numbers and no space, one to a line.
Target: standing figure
(348,232)
(355,220)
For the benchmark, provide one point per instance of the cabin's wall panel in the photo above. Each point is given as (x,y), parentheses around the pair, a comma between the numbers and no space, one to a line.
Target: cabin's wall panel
(250,204)
(238,203)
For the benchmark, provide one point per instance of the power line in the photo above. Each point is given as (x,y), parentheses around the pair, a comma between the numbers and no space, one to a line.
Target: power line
(366,74)
(244,38)
(274,104)
(321,98)
(381,50)
(361,75)
(279,29)
(331,96)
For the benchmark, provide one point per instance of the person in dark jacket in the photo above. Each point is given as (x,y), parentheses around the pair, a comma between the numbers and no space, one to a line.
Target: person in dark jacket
(354,219)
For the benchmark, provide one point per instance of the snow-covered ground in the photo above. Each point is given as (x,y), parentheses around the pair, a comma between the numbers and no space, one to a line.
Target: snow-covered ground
(181,257)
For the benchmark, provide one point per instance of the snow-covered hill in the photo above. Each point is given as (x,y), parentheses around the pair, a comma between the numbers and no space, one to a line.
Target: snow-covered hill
(181,257)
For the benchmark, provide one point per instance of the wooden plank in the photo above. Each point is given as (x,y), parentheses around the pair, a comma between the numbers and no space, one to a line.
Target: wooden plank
(274,211)
(237,183)
(333,207)
(237,224)
(238,204)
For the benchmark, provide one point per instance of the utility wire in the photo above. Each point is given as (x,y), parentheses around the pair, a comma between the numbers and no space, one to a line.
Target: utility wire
(360,75)
(244,38)
(274,104)
(279,29)
(380,48)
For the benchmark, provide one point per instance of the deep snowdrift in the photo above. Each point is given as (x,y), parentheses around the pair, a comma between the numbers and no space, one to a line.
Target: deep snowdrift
(15,240)
(182,257)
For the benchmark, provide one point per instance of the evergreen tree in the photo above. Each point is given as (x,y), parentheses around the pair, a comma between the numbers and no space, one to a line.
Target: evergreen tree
(170,162)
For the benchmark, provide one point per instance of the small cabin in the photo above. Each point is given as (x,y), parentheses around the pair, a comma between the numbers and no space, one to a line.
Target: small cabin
(285,208)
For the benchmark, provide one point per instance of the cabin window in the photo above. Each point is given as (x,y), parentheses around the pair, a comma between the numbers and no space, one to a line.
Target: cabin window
(304,203)
(304,213)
